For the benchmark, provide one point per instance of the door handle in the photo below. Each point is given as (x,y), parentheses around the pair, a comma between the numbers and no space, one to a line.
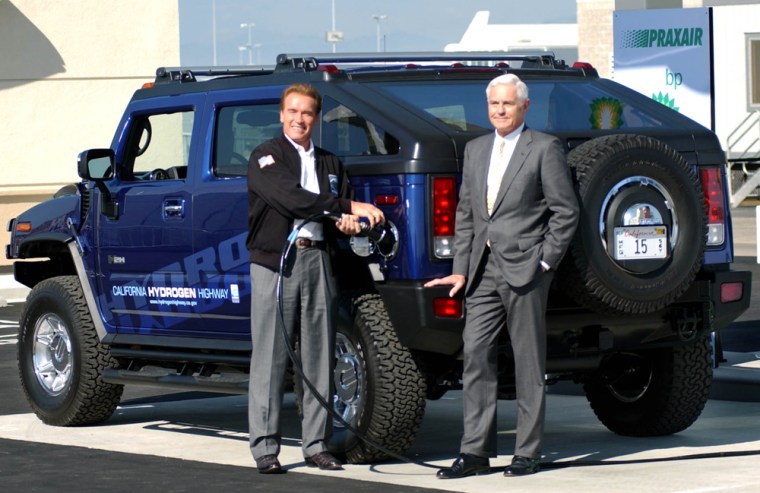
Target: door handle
(174,209)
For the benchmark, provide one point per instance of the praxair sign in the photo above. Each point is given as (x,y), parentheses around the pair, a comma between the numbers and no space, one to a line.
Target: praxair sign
(665,54)
(648,38)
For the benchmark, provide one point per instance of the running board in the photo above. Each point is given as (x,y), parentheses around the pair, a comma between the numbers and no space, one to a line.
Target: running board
(237,384)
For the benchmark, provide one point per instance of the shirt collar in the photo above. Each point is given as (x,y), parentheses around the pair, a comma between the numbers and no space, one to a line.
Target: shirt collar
(299,147)
(513,135)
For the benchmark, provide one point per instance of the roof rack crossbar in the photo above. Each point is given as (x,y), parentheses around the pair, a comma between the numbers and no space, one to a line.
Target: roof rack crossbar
(169,75)
(414,57)
(310,61)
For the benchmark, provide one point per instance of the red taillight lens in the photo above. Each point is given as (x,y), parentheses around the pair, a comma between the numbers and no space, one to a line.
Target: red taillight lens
(447,307)
(386,199)
(713,187)
(731,291)
(712,184)
(444,215)
(444,205)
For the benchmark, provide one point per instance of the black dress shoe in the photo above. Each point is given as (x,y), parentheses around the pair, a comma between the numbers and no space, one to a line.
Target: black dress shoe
(324,461)
(465,465)
(522,466)
(268,464)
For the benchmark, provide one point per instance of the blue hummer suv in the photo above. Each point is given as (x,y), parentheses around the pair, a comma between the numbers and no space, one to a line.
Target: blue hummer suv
(139,273)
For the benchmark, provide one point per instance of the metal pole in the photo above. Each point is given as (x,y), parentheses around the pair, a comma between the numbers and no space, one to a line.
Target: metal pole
(379,18)
(333,24)
(213,29)
(249,25)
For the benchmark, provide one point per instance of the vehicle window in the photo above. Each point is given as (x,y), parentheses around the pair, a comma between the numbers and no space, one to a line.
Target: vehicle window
(239,130)
(347,133)
(158,147)
(560,106)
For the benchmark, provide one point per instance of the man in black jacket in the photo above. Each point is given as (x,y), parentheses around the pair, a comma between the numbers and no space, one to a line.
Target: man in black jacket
(290,180)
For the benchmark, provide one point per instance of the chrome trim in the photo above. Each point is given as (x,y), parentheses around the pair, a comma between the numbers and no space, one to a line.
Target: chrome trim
(89,298)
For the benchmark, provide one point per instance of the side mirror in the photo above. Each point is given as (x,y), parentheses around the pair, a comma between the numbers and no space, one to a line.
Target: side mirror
(96,164)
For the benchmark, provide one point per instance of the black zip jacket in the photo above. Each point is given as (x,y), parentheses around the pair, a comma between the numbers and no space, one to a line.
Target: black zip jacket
(276,198)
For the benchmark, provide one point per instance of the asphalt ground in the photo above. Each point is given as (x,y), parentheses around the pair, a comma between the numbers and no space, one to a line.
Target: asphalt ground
(170,441)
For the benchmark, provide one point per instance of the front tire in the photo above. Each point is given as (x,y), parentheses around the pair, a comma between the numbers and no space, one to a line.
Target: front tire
(652,393)
(60,358)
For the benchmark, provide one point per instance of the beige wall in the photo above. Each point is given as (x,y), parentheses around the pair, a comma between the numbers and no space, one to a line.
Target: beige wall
(595,34)
(67,70)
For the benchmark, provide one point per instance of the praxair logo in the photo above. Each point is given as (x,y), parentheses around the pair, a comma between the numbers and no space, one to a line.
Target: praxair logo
(660,38)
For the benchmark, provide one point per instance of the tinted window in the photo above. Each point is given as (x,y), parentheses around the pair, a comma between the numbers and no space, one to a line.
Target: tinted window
(158,146)
(347,133)
(239,130)
(555,105)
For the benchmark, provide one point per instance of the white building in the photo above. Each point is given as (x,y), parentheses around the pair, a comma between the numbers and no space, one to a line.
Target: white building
(67,71)
(562,39)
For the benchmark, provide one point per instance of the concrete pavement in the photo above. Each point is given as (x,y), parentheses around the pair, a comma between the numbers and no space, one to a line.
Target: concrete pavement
(720,452)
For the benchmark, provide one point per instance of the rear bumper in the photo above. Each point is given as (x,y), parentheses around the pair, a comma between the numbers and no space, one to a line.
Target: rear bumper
(708,287)
(410,308)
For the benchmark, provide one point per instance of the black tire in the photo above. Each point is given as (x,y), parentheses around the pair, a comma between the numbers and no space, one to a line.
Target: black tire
(617,174)
(654,393)
(60,358)
(379,389)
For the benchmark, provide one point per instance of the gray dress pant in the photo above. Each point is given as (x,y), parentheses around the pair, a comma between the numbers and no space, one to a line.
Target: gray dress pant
(310,303)
(492,304)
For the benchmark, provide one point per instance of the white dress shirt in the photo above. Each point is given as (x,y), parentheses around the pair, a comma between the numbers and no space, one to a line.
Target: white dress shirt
(310,182)
(503,147)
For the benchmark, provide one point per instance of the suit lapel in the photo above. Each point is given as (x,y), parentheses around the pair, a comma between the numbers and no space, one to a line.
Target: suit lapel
(481,175)
(516,162)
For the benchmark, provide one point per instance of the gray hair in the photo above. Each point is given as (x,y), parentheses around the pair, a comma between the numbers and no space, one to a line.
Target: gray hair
(510,80)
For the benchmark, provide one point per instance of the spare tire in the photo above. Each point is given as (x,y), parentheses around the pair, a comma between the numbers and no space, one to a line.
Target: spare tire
(641,233)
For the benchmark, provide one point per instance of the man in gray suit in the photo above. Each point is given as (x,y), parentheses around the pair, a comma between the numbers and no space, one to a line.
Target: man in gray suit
(516,215)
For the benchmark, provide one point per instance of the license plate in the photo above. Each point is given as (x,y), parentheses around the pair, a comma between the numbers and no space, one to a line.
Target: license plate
(639,242)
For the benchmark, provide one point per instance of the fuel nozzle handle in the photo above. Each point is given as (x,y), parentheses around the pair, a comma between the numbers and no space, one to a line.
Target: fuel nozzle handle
(381,234)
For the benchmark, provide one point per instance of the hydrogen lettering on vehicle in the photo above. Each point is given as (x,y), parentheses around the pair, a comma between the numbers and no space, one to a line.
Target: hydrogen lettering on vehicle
(175,288)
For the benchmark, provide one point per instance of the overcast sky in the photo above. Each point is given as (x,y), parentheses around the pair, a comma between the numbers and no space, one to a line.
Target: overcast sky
(299,26)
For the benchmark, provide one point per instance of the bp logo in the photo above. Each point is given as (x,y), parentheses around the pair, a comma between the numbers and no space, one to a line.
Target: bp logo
(606,113)
(666,100)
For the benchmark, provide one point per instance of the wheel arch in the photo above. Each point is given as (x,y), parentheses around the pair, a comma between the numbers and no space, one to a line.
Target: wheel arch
(51,246)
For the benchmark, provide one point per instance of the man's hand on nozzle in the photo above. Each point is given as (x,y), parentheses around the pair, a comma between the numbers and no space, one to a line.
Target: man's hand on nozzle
(369,211)
(349,224)
(455,280)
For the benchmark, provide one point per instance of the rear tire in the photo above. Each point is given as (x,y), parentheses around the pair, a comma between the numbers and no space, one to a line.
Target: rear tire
(379,389)
(60,358)
(653,393)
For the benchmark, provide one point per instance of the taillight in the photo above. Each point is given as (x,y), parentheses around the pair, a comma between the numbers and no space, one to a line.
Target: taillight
(712,184)
(448,307)
(444,214)
(731,291)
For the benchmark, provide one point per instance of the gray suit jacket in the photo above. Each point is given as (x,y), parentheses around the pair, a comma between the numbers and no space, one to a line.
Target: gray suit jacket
(535,214)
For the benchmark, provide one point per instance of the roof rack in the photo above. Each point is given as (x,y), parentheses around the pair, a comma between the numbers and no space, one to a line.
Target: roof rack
(308,62)
(180,75)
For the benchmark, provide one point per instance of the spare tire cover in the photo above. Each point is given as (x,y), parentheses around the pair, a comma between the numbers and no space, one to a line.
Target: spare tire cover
(641,234)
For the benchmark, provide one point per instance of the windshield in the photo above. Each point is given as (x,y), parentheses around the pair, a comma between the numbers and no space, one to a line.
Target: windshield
(556,105)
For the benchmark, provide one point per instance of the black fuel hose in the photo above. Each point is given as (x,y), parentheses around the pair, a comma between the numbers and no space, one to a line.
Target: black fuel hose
(379,234)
